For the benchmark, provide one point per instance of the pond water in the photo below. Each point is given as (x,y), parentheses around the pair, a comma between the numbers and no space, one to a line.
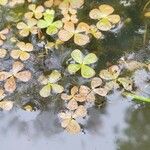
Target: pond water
(119,124)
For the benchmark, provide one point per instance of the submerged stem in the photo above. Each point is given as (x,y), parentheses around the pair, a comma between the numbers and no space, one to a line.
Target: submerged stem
(137,97)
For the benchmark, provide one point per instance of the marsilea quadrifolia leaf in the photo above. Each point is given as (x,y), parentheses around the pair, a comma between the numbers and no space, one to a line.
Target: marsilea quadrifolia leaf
(82,63)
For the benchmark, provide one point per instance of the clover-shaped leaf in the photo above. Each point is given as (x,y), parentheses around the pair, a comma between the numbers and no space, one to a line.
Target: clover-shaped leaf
(95,32)
(80,33)
(36,12)
(23,51)
(126,83)
(70,124)
(3,2)
(56,44)
(28,27)
(107,20)
(3,53)
(15,73)
(50,3)
(110,74)
(3,34)
(49,23)
(70,5)
(83,62)
(70,18)
(50,84)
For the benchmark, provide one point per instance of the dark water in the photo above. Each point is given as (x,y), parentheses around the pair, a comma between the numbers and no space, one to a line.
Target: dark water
(120,124)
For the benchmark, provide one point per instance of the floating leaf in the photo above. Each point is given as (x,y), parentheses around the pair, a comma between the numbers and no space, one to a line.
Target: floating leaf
(69,5)
(3,2)
(74,91)
(3,34)
(10,84)
(110,74)
(50,83)
(2,94)
(126,83)
(86,71)
(73,127)
(70,18)
(73,68)
(96,82)
(77,56)
(57,88)
(36,12)
(50,3)
(95,32)
(80,112)
(23,51)
(27,28)
(106,19)
(147,14)
(6,105)
(79,34)
(48,22)
(45,91)
(72,105)
(3,53)
(90,59)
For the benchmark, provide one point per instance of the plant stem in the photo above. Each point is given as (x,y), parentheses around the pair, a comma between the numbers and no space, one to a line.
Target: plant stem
(137,97)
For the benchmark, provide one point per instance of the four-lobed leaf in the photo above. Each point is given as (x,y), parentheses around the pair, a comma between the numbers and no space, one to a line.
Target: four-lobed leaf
(82,63)
(49,23)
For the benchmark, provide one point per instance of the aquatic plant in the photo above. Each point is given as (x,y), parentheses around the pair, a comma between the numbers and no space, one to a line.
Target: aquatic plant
(22,52)
(3,2)
(3,34)
(25,28)
(49,23)
(80,33)
(50,84)
(82,63)
(35,11)
(15,73)
(107,20)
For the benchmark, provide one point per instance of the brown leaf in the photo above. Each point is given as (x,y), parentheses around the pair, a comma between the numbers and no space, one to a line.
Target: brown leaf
(73,127)
(72,105)
(10,85)
(6,105)
(23,76)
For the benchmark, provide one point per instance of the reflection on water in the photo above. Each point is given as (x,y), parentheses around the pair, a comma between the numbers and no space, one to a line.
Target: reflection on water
(41,131)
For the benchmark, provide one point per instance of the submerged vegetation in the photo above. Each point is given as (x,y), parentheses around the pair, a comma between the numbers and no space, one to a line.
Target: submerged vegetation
(55,23)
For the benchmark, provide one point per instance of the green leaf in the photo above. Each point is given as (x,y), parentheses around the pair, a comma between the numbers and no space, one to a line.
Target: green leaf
(126,83)
(54,76)
(137,97)
(87,72)
(51,30)
(42,24)
(58,24)
(3,2)
(49,16)
(90,59)
(73,68)
(57,88)
(77,56)
(46,91)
